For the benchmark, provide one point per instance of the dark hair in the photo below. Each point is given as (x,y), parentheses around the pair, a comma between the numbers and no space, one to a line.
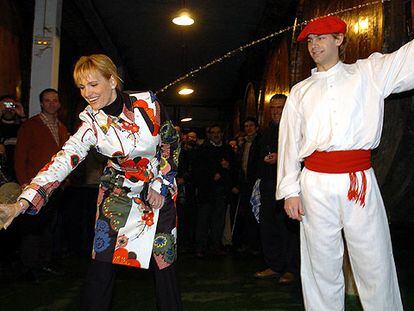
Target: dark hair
(49,90)
(215,125)
(251,119)
(6,96)
(278,96)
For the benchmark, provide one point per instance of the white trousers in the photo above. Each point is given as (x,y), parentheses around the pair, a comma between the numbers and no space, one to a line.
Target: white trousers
(327,212)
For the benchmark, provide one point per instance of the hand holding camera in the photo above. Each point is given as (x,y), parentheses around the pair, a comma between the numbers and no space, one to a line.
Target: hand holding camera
(11,105)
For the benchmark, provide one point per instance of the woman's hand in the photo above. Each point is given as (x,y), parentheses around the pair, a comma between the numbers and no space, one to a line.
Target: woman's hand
(10,211)
(155,199)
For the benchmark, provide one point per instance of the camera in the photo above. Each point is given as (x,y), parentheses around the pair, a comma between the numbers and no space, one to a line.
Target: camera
(9,105)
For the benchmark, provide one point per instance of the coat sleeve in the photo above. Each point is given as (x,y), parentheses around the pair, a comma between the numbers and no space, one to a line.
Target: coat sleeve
(67,159)
(168,154)
(288,164)
(20,154)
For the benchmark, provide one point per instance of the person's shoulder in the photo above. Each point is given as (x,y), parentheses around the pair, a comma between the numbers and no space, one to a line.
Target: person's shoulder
(295,90)
(32,121)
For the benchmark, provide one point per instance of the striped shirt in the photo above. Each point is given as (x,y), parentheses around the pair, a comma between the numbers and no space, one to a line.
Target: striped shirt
(52,125)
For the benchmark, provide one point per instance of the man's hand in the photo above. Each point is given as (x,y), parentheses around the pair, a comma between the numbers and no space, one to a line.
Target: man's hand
(155,199)
(294,208)
(271,158)
(10,211)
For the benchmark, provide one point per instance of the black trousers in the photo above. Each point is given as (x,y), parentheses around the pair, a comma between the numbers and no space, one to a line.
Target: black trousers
(246,229)
(210,222)
(100,280)
(278,233)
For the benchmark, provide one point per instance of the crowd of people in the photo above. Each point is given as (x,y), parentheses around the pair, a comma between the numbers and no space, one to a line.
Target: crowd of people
(218,182)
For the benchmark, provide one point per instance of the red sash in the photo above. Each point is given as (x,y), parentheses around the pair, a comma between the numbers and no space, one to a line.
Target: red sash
(337,162)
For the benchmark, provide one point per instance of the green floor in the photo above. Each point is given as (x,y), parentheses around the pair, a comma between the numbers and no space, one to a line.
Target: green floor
(219,283)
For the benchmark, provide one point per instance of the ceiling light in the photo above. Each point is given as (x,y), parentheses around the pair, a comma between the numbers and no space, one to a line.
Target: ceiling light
(183,18)
(185,91)
(188,119)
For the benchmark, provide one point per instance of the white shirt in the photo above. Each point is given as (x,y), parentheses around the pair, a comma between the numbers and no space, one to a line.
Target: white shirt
(339,109)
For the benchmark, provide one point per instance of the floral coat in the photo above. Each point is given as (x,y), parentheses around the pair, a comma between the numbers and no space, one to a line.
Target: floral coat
(143,149)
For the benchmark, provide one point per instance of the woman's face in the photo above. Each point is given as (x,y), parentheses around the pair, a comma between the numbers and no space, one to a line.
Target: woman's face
(97,90)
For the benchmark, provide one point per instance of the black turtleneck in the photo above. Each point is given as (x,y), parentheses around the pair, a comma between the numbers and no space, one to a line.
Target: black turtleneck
(115,108)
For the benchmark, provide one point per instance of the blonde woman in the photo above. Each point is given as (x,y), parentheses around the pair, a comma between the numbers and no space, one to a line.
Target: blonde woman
(136,216)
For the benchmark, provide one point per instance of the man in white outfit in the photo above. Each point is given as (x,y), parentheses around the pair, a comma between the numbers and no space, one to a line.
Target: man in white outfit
(331,121)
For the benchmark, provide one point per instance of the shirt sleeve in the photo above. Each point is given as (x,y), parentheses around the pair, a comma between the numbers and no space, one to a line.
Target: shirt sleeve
(288,166)
(394,72)
(53,173)
(168,154)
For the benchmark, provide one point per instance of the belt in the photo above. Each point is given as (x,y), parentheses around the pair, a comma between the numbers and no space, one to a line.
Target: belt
(338,162)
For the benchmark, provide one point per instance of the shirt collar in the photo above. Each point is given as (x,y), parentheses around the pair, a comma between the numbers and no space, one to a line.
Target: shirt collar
(216,145)
(330,71)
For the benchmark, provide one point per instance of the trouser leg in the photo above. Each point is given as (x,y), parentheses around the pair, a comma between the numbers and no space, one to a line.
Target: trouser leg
(202,226)
(369,246)
(99,283)
(321,244)
(292,246)
(271,235)
(217,220)
(167,294)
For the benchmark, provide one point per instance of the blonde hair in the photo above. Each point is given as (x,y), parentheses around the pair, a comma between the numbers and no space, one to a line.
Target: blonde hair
(101,63)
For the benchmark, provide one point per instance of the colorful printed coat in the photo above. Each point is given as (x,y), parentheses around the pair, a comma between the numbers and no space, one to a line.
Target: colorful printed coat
(143,149)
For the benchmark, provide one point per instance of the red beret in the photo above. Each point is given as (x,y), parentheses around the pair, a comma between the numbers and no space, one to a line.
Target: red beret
(322,26)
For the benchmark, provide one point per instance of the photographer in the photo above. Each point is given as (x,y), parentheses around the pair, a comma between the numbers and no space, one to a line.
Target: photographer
(12,115)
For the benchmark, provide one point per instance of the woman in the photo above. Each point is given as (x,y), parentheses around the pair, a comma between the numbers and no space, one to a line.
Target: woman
(136,216)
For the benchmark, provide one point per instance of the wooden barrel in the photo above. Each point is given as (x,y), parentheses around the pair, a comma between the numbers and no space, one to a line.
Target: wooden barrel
(276,77)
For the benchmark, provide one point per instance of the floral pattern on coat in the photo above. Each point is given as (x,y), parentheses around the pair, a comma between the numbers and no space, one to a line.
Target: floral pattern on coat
(143,147)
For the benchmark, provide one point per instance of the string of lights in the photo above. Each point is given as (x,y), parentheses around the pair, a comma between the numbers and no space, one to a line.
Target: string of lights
(240,49)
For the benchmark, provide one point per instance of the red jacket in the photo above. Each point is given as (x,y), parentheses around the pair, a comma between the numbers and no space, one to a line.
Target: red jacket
(35,147)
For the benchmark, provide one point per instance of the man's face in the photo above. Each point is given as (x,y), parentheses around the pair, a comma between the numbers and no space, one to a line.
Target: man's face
(216,135)
(50,103)
(191,137)
(250,128)
(276,108)
(324,50)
